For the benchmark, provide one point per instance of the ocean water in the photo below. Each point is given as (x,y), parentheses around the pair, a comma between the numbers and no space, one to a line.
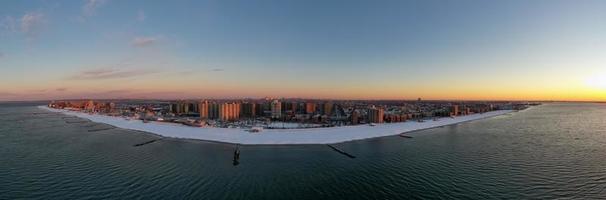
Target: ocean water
(546,152)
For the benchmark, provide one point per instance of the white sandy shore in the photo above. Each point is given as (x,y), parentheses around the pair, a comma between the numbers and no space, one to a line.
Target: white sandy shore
(276,136)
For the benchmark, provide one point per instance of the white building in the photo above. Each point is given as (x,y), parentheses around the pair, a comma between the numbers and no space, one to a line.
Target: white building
(276,109)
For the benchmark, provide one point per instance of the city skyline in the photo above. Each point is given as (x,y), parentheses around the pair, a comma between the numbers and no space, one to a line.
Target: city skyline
(435,50)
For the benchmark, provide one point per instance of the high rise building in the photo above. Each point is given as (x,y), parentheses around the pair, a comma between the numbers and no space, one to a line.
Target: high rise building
(182,107)
(265,109)
(289,108)
(172,108)
(193,107)
(249,109)
(213,111)
(276,109)
(355,117)
(328,107)
(203,107)
(310,107)
(259,109)
(301,108)
(229,111)
(375,115)
(284,106)
(294,107)
(455,110)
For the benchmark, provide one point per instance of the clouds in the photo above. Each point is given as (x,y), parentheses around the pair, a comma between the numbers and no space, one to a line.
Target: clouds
(141,16)
(90,8)
(8,24)
(109,73)
(38,90)
(61,89)
(7,94)
(143,41)
(30,24)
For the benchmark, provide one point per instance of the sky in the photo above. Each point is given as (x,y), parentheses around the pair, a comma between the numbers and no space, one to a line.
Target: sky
(337,49)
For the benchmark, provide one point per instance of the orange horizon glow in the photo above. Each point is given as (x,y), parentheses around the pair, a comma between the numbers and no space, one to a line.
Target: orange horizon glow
(361,93)
(562,85)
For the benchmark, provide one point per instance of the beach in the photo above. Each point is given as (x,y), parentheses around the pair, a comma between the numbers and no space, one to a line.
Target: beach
(329,135)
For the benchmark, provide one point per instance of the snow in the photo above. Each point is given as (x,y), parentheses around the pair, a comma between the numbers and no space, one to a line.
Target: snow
(284,125)
(277,136)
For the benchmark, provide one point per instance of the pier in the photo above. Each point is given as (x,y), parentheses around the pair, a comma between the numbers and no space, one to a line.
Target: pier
(236,159)
(340,151)
(42,113)
(76,122)
(405,136)
(88,126)
(101,129)
(144,143)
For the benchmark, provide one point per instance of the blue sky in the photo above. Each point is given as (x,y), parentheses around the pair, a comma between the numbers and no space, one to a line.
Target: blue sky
(327,49)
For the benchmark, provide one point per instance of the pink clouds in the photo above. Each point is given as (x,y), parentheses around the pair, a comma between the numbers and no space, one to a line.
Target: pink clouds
(144,41)
(29,24)
(110,73)
(89,9)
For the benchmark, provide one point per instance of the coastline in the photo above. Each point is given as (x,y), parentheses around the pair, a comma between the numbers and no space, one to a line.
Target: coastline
(329,135)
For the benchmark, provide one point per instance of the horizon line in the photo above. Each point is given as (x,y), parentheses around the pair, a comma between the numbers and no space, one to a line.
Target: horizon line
(293,98)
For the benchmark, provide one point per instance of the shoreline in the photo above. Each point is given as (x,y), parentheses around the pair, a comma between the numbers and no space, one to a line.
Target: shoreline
(310,136)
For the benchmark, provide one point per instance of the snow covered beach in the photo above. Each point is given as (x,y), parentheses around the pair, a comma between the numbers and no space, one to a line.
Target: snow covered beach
(277,136)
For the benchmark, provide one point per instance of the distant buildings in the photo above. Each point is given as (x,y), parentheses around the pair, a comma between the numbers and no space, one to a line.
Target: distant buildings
(229,111)
(220,111)
(249,110)
(276,109)
(204,109)
(214,110)
(355,117)
(395,117)
(310,107)
(455,110)
(89,106)
(289,109)
(375,115)
(328,107)
(184,108)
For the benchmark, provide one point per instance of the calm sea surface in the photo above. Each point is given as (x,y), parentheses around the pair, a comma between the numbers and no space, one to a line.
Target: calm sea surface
(549,151)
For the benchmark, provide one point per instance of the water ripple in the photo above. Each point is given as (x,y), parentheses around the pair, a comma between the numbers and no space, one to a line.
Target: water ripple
(549,152)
